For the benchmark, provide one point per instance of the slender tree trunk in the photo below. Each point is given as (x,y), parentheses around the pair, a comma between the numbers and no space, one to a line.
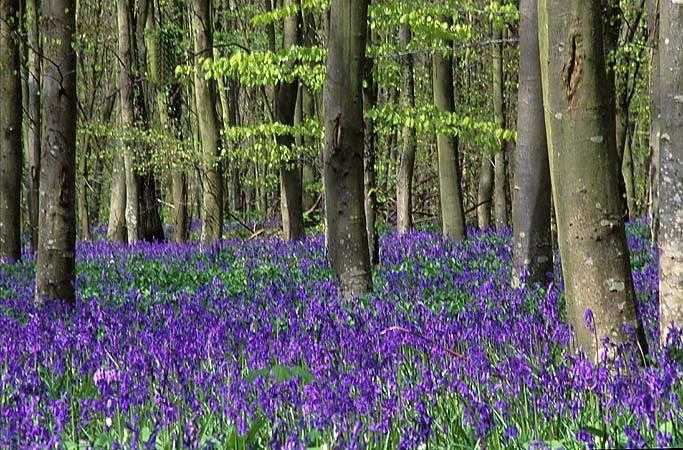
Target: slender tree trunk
(82,194)
(128,117)
(531,211)
(500,167)
(291,200)
(585,173)
(404,181)
(116,231)
(450,184)
(653,170)
(628,174)
(212,170)
(10,132)
(485,192)
(370,178)
(347,243)
(34,119)
(671,166)
(55,264)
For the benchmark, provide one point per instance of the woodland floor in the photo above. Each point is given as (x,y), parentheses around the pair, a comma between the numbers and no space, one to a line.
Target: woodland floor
(247,344)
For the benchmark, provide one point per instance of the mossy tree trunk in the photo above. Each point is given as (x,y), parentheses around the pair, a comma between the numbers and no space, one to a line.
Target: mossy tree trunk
(585,173)
(653,169)
(450,184)
(55,264)
(10,132)
(347,242)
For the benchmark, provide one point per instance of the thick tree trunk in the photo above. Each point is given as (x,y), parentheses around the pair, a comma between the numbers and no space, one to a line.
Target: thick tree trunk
(10,132)
(485,192)
(347,242)
(116,231)
(291,200)
(450,184)
(55,265)
(585,173)
(500,164)
(34,120)
(671,166)
(205,91)
(404,180)
(370,178)
(532,241)
(127,105)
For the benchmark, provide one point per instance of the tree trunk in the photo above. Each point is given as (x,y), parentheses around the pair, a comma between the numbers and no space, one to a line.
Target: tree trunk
(344,138)
(34,119)
(671,166)
(585,174)
(370,179)
(485,193)
(500,167)
(653,170)
(450,184)
(532,241)
(212,170)
(128,117)
(10,132)
(55,265)
(404,180)
(116,231)
(291,200)
(628,174)
(82,194)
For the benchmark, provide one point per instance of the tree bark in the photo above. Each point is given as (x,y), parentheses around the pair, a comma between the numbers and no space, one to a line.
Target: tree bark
(34,119)
(585,173)
(404,180)
(653,169)
(291,200)
(343,156)
(205,91)
(370,178)
(531,211)
(82,194)
(500,164)
(485,192)
(55,265)
(450,184)
(132,211)
(116,230)
(671,166)
(10,132)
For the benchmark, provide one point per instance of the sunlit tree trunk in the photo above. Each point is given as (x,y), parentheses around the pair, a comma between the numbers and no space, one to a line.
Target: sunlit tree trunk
(585,173)
(500,164)
(531,211)
(450,185)
(671,165)
(125,56)
(404,179)
(205,92)
(344,138)
(55,265)
(116,230)
(653,169)
(10,132)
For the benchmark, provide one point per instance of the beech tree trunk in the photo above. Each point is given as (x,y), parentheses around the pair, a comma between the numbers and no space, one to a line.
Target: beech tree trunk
(404,180)
(132,211)
(291,199)
(34,119)
(205,92)
(531,211)
(347,243)
(671,165)
(450,184)
(10,132)
(55,265)
(585,171)
(485,192)
(653,170)
(500,164)
(116,230)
